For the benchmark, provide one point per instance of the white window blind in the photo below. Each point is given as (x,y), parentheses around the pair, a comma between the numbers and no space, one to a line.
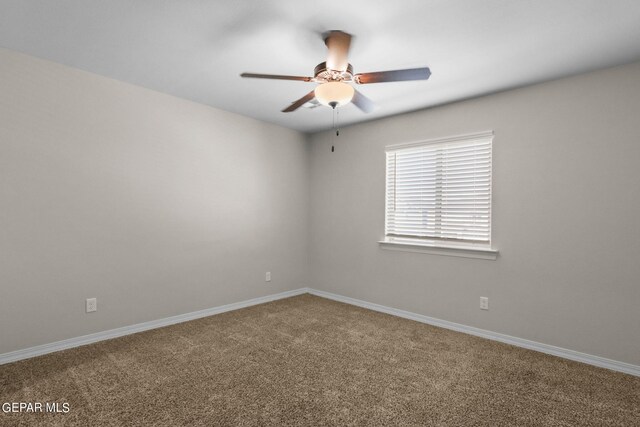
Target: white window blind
(440,191)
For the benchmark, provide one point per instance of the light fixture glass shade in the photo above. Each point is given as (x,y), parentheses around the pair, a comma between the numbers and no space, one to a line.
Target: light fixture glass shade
(334,92)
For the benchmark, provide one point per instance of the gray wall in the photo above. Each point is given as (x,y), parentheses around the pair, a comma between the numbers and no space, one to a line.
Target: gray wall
(566,209)
(155,205)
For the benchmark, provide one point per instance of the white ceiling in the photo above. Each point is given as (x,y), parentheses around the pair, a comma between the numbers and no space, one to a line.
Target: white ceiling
(196,49)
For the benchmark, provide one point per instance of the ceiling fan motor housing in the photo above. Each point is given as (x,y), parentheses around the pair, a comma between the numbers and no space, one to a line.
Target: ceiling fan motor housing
(323,74)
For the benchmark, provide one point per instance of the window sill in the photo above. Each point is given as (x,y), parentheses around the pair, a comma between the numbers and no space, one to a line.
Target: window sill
(440,249)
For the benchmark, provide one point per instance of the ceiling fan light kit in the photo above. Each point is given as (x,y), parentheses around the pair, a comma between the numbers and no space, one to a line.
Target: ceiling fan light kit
(335,74)
(334,94)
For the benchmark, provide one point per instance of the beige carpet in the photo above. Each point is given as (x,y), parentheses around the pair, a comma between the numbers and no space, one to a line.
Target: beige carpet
(310,361)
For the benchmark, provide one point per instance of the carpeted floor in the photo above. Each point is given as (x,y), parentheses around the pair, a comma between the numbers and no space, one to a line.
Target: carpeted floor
(310,361)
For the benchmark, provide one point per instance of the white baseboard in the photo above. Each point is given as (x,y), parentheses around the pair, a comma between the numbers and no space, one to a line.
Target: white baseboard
(132,329)
(589,359)
(601,362)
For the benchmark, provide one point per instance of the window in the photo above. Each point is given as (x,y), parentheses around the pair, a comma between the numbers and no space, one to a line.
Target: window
(438,193)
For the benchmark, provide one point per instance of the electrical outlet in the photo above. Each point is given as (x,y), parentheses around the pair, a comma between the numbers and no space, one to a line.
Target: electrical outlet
(484,303)
(92,305)
(267,277)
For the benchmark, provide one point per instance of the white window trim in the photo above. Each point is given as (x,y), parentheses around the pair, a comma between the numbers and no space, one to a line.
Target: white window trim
(455,138)
(431,247)
(436,247)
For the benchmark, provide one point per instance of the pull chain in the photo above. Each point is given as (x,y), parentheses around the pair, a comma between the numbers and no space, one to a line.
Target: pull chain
(333,118)
(335,115)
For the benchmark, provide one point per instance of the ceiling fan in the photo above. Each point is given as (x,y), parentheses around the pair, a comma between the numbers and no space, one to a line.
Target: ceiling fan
(333,76)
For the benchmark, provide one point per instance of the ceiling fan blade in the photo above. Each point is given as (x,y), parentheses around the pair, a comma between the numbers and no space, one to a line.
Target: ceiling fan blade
(338,43)
(276,77)
(362,102)
(300,102)
(393,76)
